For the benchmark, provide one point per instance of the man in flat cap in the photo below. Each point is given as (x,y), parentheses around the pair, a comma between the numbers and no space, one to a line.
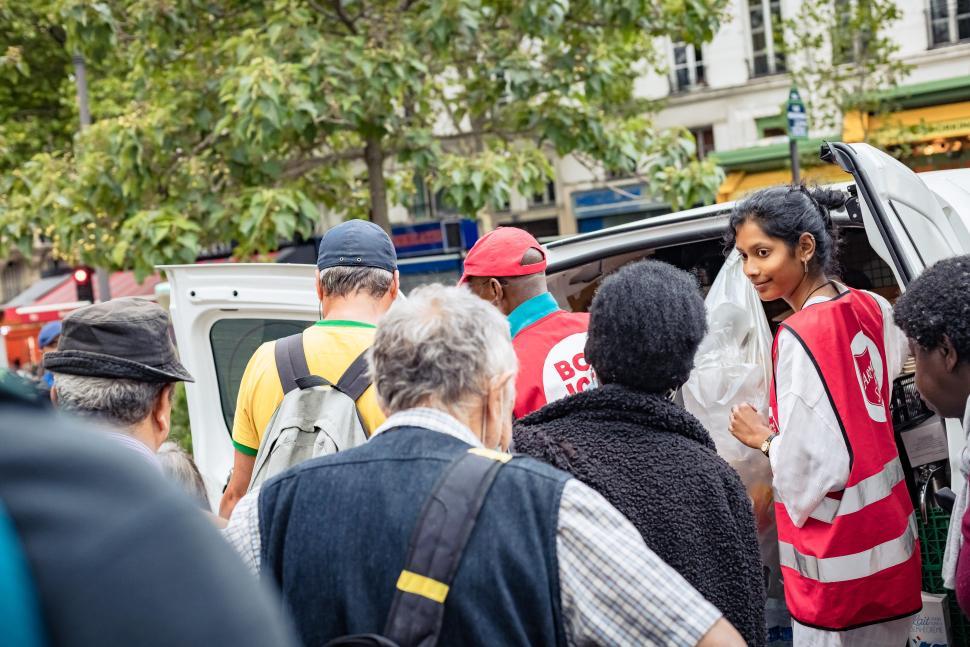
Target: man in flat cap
(116,362)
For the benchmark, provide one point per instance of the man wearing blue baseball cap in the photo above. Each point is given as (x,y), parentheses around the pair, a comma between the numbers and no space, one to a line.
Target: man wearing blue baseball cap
(357,281)
(49,335)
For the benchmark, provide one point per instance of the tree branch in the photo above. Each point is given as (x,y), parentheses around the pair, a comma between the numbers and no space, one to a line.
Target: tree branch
(299,167)
(341,14)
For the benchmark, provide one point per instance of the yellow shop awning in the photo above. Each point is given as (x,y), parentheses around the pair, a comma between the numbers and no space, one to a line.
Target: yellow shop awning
(908,126)
(738,184)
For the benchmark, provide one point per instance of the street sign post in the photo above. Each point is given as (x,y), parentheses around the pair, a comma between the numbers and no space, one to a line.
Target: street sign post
(797,128)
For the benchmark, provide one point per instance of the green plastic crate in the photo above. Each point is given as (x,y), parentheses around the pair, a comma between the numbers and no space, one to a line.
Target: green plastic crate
(932,535)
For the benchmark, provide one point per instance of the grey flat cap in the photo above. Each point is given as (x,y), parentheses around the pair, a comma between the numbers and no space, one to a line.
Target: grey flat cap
(123,338)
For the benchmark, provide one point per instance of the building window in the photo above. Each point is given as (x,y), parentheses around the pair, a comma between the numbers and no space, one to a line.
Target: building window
(771,126)
(948,21)
(420,206)
(687,71)
(767,31)
(848,45)
(545,198)
(505,205)
(12,280)
(543,228)
(443,207)
(425,205)
(704,136)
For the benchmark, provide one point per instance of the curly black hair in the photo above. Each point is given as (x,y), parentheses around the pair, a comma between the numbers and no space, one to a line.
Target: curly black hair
(787,212)
(646,322)
(937,303)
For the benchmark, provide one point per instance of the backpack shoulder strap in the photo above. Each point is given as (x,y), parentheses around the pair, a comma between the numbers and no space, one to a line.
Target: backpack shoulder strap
(290,361)
(436,547)
(355,379)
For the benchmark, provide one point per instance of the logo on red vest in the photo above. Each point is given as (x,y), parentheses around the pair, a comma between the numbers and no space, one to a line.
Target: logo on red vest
(867,378)
(868,370)
(566,371)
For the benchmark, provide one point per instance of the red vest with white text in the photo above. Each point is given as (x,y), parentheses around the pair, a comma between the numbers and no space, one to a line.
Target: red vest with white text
(856,561)
(552,360)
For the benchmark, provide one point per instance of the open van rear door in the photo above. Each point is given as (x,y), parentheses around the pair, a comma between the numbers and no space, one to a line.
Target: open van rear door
(221,313)
(905,221)
(907,224)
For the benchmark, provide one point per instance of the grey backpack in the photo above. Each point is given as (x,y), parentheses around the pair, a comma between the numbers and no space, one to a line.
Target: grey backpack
(315,418)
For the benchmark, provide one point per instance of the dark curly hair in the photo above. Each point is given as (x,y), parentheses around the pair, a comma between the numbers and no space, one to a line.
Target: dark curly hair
(937,303)
(787,212)
(645,324)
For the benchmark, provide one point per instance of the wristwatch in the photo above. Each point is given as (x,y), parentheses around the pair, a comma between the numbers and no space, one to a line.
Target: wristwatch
(766,445)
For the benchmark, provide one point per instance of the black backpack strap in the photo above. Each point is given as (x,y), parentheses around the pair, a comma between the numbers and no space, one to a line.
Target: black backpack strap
(310,381)
(355,379)
(291,361)
(436,547)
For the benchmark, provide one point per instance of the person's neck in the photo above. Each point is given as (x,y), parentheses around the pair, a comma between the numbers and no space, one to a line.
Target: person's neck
(144,433)
(518,299)
(363,310)
(811,286)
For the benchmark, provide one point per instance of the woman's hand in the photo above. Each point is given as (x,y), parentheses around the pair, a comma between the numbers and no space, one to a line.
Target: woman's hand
(748,426)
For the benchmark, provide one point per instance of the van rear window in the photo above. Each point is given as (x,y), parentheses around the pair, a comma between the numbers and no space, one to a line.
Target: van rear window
(233,342)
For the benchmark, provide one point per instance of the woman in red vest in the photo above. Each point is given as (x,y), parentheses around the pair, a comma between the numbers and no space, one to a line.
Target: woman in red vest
(846,530)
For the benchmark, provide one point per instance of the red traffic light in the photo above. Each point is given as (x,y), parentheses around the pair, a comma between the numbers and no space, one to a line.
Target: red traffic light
(82,283)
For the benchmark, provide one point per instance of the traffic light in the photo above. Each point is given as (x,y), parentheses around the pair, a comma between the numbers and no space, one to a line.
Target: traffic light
(82,282)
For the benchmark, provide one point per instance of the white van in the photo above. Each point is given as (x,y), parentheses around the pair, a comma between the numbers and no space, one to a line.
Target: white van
(898,224)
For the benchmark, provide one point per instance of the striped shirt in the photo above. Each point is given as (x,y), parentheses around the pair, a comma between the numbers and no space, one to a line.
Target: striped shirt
(614,589)
(136,446)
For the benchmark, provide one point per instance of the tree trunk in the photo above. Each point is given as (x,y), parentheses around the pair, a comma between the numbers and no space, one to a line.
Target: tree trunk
(374,157)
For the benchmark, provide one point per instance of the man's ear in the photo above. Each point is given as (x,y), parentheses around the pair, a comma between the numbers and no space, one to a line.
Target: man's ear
(162,413)
(949,353)
(500,411)
(316,275)
(395,285)
(498,292)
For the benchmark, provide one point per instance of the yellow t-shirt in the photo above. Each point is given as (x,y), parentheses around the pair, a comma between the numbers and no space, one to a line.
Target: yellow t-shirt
(330,347)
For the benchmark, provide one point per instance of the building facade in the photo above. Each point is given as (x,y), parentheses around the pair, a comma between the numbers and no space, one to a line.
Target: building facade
(731,93)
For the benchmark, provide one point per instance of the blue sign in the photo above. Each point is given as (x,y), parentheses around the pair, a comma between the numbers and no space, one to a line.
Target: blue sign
(435,237)
(609,201)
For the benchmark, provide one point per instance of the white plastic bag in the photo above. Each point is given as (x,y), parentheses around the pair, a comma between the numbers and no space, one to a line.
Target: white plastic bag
(733,366)
(733,362)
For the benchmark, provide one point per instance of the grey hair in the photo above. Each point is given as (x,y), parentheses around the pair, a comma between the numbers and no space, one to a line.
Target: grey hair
(440,347)
(179,467)
(119,401)
(345,281)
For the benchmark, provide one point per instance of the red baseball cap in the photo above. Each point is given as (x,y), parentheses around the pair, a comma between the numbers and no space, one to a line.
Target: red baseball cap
(499,253)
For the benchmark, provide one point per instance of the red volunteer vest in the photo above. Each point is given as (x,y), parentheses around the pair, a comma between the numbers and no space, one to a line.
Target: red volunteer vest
(552,360)
(856,561)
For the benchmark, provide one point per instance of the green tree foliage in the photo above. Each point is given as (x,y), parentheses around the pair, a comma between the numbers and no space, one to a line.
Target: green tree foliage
(843,57)
(36,110)
(219,121)
(181,431)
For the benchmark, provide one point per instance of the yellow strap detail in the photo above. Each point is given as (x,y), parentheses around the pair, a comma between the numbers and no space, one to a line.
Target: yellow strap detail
(424,586)
(501,457)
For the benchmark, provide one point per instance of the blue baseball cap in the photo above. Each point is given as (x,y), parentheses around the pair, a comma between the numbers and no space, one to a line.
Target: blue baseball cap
(49,333)
(357,243)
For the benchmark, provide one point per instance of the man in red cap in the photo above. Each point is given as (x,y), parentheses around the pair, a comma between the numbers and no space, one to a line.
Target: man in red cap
(507,268)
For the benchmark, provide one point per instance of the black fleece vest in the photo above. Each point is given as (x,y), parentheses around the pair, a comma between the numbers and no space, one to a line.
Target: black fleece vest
(658,466)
